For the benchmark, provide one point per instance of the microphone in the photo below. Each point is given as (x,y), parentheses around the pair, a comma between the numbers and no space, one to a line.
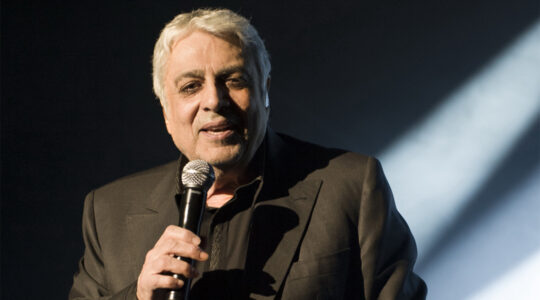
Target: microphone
(197,177)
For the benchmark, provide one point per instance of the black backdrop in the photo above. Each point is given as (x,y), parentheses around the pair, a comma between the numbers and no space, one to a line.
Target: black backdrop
(78,110)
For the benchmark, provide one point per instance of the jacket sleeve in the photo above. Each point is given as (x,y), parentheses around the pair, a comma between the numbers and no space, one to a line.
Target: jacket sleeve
(90,281)
(387,247)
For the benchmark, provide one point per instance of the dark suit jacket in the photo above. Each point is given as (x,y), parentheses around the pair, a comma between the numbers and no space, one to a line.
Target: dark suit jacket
(324,227)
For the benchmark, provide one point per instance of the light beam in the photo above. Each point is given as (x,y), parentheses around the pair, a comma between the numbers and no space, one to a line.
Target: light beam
(437,166)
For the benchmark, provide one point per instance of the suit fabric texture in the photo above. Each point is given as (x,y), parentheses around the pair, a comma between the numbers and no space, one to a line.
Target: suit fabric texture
(324,226)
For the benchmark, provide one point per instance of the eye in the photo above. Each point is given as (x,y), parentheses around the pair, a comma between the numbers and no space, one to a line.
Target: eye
(236,82)
(191,87)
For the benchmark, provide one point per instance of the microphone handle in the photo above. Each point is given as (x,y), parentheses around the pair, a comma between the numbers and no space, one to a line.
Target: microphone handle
(191,204)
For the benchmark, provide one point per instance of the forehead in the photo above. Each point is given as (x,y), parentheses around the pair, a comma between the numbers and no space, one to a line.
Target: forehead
(202,50)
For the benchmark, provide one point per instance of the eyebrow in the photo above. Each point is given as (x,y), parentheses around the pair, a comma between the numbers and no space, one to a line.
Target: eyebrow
(227,71)
(233,69)
(189,74)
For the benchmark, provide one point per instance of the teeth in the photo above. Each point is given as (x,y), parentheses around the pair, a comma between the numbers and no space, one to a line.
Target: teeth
(218,128)
(216,131)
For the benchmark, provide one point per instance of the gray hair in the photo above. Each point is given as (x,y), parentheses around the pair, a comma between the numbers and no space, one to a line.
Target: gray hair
(222,23)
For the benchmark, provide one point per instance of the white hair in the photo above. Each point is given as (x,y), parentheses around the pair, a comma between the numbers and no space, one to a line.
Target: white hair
(222,23)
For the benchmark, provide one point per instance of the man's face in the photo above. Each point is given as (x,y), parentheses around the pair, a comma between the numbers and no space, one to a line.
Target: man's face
(216,111)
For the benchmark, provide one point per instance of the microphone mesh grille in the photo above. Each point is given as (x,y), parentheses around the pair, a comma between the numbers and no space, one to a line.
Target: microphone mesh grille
(198,173)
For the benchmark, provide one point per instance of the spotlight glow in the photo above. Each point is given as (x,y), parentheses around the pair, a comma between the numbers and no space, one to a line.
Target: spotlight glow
(521,283)
(438,166)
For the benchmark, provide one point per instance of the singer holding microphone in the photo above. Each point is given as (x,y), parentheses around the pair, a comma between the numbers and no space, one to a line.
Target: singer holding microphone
(279,219)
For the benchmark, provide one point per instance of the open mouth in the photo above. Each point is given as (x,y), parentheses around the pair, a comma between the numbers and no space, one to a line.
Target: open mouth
(218,129)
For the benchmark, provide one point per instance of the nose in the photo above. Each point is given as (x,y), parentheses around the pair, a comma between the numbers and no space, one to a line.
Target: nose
(216,98)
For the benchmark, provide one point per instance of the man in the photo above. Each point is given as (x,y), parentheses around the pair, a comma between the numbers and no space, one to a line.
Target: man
(284,219)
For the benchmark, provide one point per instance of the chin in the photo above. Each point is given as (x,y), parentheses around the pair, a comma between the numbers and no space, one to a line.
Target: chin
(223,157)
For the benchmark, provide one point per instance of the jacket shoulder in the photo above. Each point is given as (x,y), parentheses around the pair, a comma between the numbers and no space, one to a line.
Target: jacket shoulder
(138,184)
(343,162)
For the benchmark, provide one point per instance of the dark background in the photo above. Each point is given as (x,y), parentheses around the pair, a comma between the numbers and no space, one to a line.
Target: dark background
(78,111)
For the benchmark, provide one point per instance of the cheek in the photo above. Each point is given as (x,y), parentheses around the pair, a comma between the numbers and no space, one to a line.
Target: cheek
(182,117)
(241,99)
(250,106)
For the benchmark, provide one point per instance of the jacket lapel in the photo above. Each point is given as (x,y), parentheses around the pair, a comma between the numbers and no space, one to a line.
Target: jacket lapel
(148,218)
(280,217)
(278,228)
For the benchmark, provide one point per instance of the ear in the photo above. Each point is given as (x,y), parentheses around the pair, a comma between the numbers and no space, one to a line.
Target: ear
(167,124)
(268,81)
(267,90)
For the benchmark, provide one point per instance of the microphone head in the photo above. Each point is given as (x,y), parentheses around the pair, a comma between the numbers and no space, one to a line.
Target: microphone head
(198,174)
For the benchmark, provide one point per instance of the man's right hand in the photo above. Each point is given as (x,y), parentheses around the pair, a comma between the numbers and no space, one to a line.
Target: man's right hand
(161,260)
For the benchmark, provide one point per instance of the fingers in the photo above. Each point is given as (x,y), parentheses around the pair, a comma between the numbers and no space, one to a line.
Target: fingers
(180,242)
(161,261)
(167,282)
(148,287)
(180,234)
(168,264)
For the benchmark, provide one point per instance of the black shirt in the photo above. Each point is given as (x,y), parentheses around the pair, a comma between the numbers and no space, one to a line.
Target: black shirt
(225,233)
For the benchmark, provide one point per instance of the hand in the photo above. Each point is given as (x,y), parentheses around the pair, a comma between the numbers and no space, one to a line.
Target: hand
(160,260)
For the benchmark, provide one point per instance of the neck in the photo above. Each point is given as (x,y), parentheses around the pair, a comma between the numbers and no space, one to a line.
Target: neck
(225,185)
